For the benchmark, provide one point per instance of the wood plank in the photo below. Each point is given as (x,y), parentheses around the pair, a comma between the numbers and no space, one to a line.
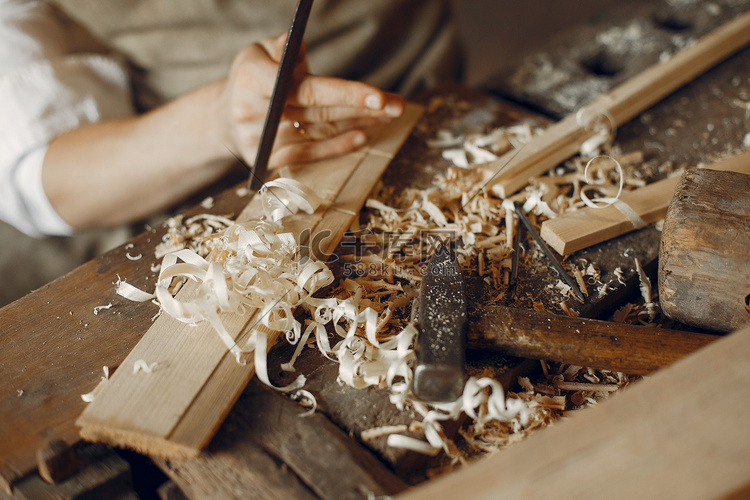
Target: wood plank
(577,230)
(632,349)
(704,277)
(55,345)
(681,433)
(45,334)
(174,411)
(358,410)
(559,142)
(102,474)
(267,425)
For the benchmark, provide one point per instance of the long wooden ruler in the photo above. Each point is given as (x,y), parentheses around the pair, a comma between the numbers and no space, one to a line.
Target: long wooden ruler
(562,140)
(174,411)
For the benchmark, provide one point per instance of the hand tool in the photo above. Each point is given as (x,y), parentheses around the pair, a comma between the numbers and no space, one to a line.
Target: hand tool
(441,344)
(547,252)
(631,349)
(280,92)
(513,282)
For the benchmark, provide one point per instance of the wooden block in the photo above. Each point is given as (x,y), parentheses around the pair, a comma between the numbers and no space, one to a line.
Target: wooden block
(681,433)
(102,474)
(574,231)
(632,349)
(56,461)
(175,410)
(170,491)
(704,276)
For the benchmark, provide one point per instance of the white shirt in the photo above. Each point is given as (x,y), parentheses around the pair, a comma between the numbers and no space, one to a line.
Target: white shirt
(51,81)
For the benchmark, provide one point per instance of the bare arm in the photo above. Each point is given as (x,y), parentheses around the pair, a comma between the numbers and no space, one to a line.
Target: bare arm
(121,170)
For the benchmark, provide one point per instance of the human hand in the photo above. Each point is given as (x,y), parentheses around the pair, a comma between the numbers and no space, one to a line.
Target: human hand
(324,116)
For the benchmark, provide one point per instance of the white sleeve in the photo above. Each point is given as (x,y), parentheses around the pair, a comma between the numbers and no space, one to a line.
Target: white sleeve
(49,85)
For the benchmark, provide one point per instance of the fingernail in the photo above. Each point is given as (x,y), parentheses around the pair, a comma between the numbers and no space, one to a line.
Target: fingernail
(373,101)
(393,109)
(360,139)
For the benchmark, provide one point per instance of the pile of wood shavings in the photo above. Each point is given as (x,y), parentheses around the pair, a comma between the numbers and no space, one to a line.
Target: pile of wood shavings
(194,233)
(399,234)
(376,347)
(558,391)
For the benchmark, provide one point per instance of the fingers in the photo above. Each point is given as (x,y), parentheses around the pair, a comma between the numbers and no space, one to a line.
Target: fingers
(255,67)
(392,109)
(307,151)
(303,142)
(331,113)
(322,91)
(274,47)
(312,98)
(318,131)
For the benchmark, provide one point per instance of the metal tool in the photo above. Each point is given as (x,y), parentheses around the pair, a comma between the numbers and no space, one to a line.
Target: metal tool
(547,252)
(513,282)
(441,345)
(280,92)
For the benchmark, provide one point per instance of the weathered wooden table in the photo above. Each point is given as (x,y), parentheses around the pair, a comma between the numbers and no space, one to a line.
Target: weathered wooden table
(55,344)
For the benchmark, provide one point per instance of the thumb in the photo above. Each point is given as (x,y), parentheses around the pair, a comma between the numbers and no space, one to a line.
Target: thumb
(275,49)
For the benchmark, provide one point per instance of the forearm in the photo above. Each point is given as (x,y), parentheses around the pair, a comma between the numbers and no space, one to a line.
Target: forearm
(118,171)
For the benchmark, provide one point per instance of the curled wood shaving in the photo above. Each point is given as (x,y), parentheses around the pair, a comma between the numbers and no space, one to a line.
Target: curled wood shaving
(376,432)
(207,203)
(305,398)
(99,308)
(90,396)
(141,365)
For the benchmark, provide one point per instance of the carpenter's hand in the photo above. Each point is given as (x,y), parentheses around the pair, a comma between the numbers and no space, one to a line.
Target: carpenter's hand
(324,116)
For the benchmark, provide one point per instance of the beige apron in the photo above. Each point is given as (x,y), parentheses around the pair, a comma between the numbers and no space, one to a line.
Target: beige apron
(401,45)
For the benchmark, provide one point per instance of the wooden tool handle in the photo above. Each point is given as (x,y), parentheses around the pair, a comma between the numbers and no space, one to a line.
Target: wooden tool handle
(635,350)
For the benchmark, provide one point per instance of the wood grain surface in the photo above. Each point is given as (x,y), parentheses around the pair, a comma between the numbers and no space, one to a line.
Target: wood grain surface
(704,271)
(631,349)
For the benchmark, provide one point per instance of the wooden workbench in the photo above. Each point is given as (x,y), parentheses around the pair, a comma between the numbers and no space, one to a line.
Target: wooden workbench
(54,345)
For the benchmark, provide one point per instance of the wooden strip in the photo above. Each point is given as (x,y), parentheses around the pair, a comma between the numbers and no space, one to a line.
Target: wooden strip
(632,349)
(562,140)
(226,383)
(574,231)
(175,410)
(654,438)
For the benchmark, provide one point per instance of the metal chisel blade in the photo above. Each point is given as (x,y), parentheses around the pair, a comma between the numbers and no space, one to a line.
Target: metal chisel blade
(441,345)
(281,88)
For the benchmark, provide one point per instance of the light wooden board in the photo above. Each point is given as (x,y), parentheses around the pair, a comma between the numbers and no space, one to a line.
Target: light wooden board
(561,141)
(574,231)
(681,433)
(174,411)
